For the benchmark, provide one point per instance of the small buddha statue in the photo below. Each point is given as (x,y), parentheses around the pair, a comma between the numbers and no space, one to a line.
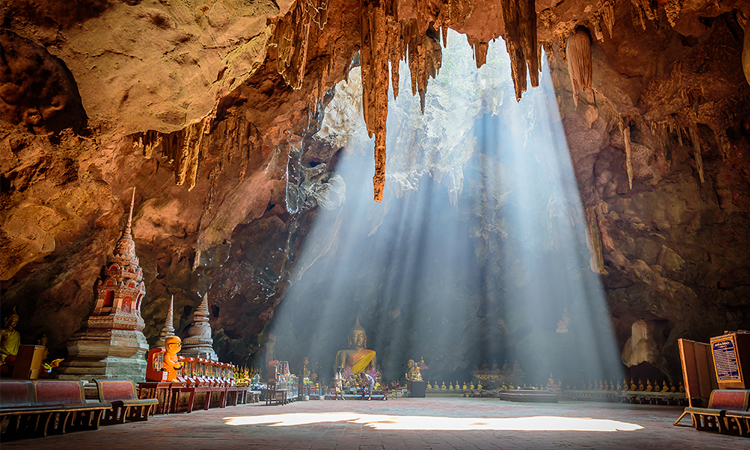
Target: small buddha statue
(672,388)
(562,325)
(357,357)
(682,388)
(172,364)
(640,385)
(664,387)
(450,385)
(10,339)
(550,381)
(429,385)
(633,387)
(619,386)
(305,370)
(413,374)
(471,386)
(443,386)
(479,386)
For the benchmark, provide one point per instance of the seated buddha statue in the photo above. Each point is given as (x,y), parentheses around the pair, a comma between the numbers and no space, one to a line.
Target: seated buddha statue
(414,373)
(10,339)
(357,357)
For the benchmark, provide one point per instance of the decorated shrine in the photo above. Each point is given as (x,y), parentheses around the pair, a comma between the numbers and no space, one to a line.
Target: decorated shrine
(110,342)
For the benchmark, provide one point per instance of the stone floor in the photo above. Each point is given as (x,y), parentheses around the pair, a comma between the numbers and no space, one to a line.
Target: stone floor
(431,423)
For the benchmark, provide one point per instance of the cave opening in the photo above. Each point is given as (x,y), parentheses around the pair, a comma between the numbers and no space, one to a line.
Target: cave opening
(476,261)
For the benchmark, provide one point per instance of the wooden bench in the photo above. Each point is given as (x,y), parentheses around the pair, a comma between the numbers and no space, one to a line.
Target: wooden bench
(40,406)
(236,395)
(279,396)
(191,391)
(725,408)
(125,404)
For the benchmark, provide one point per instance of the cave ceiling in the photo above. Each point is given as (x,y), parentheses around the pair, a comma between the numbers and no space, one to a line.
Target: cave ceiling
(210,109)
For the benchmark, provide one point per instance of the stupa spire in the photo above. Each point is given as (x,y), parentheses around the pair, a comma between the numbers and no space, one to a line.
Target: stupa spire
(125,247)
(199,343)
(168,329)
(127,232)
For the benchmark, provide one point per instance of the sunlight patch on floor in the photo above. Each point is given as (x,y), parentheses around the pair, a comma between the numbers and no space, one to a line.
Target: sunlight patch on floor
(425,423)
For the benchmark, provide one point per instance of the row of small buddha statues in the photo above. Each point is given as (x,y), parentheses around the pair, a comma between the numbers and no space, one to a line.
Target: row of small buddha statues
(595,386)
(450,387)
(632,387)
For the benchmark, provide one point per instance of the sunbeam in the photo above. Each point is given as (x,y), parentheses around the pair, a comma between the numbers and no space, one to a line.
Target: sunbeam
(477,251)
(428,423)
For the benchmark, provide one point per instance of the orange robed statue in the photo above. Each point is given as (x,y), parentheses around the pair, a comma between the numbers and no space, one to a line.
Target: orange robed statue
(356,356)
(171,361)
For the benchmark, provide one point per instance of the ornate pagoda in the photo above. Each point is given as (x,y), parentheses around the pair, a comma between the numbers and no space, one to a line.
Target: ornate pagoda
(199,343)
(110,342)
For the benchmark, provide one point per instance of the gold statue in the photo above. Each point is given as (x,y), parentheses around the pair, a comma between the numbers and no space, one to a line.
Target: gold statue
(172,364)
(356,356)
(10,339)
(413,374)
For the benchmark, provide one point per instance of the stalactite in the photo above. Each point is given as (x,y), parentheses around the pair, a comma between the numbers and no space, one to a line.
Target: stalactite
(187,163)
(608,15)
(291,38)
(642,11)
(374,58)
(480,51)
(521,42)
(147,142)
(625,130)
(395,50)
(672,9)
(579,63)
(596,24)
(697,150)
(722,141)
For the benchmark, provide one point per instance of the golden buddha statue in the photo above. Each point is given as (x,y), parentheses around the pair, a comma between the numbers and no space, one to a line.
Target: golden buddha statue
(172,364)
(413,374)
(10,339)
(357,357)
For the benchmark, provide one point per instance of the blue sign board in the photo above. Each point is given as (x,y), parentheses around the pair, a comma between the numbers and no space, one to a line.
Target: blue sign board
(725,360)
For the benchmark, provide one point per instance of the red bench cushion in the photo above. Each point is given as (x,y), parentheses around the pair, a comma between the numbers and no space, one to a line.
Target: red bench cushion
(728,399)
(53,392)
(14,393)
(111,391)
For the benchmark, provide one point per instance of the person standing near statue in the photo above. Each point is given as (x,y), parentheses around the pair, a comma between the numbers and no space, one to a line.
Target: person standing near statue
(357,357)
(368,384)
(338,386)
(10,339)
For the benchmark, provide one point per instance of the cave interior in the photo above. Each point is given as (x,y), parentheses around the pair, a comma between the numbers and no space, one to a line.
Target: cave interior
(547,161)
